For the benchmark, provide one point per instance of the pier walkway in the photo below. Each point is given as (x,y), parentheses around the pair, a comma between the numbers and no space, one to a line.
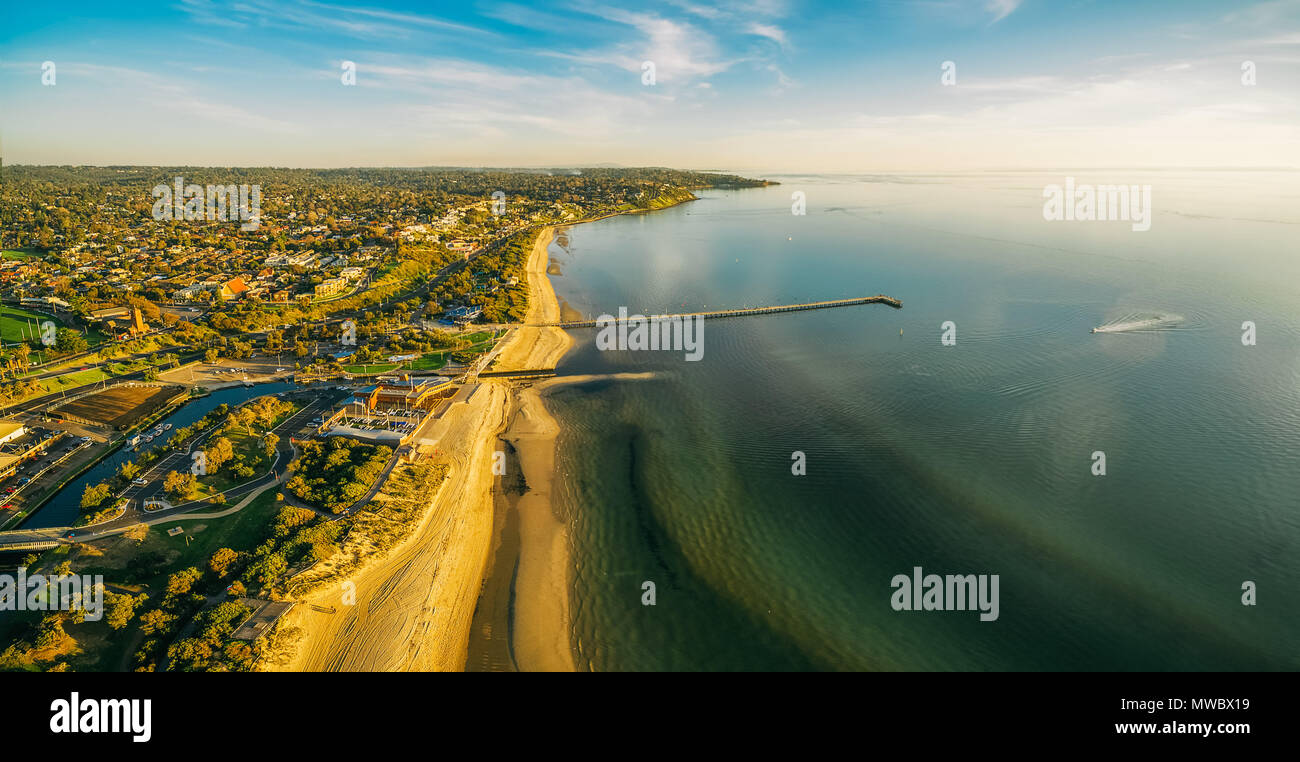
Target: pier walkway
(877,299)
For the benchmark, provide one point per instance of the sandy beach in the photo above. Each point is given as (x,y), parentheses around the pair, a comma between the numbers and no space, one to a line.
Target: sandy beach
(414,606)
(531,550)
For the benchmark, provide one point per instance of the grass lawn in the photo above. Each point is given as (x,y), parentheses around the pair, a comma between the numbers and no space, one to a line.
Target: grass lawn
(19,254)
(70,380)
(381,367)
(431,361)
(18,324)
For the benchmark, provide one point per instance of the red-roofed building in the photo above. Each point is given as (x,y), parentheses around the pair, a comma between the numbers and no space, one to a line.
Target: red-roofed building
(234,288)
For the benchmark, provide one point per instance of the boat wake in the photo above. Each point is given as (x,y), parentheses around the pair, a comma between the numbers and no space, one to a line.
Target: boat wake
(1137,323)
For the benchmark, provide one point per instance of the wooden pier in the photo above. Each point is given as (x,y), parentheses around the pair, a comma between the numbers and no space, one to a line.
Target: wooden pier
(877,299)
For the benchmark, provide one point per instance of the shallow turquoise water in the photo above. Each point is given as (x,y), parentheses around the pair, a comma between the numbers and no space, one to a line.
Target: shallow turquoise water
(973,458)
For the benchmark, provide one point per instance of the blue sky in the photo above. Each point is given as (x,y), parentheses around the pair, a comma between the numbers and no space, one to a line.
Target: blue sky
(767,85)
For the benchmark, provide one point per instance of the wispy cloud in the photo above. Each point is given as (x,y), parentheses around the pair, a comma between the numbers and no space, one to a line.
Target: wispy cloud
(175,95)
(1001,9)
(770,31)
(310,15)
(680,50)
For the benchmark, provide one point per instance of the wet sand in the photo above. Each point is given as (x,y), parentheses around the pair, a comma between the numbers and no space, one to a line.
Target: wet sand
(524,620)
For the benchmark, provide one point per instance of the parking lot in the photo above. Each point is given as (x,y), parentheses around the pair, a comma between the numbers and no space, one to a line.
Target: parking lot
(55,453)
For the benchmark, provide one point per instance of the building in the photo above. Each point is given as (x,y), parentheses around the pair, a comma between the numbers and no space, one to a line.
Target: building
(138,325)
(11,430)
(191,293)
(45,301)
(109,313)
(233,288)
(330,287)
(18,446)
(408,393)
(463,315)
(305,259)
(392,412)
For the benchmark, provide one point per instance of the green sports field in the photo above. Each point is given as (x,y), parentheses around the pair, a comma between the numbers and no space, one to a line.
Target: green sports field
(17,324)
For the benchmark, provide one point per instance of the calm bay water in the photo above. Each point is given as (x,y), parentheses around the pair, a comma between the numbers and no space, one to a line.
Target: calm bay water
(973,458)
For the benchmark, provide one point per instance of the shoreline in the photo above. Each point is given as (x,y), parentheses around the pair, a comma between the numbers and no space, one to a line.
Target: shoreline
(417,605)
(525,622)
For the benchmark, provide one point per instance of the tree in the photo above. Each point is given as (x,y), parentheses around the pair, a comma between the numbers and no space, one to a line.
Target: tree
(22,355)
(69,341)
(266,569)
(121,608)
(49,633)
(95,495)
(243,418)
(221,560)
(180,485)
(156,621)
(181,582)
(219,452)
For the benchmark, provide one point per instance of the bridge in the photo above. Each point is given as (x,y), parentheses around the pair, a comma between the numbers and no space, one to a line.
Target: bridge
(33,539)
(877,299)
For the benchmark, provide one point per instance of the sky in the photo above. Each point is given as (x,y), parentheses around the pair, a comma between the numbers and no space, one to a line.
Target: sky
(740,85)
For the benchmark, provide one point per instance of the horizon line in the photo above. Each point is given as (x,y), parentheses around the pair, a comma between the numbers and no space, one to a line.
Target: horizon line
(506,168)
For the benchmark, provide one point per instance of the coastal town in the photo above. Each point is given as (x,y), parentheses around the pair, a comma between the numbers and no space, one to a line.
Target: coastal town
(227,423)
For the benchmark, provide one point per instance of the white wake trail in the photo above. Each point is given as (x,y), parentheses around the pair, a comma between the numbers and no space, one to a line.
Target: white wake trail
(1130,323)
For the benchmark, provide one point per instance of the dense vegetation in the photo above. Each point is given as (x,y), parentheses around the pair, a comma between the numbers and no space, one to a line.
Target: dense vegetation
(335,473)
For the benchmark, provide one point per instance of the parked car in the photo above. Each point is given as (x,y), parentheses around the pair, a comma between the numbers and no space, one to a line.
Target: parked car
(139,482)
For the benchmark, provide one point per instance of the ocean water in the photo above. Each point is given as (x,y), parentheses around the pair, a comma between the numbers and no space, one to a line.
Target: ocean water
(975,458)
